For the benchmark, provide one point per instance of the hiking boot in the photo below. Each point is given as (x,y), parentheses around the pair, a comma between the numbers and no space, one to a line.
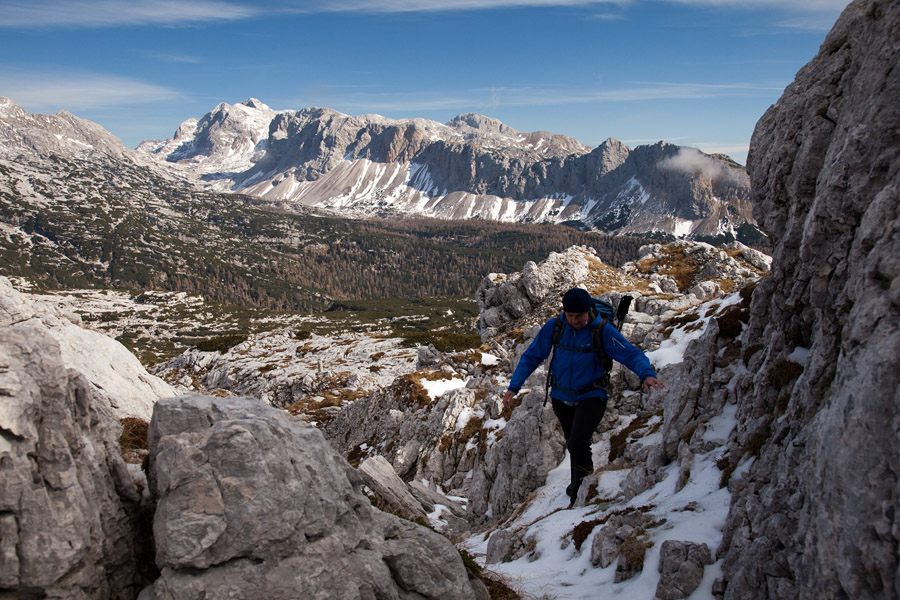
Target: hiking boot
(572,493)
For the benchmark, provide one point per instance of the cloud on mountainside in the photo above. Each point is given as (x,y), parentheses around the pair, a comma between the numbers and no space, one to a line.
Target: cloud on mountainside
(691,161)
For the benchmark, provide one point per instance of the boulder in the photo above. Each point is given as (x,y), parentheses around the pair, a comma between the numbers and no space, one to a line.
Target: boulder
(681,567)
(253,503)
(115,375)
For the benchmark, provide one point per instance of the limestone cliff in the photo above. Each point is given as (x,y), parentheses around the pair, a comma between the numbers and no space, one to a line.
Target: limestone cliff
(816,516)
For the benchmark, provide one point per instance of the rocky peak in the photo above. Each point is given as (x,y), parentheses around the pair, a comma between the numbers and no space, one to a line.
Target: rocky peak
(9,109)
(63,133)
(254,103)
(480,122)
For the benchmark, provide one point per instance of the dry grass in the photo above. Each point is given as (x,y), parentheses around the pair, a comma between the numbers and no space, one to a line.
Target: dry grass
(604,278)
(409,387)
(133,440)
(673,263)
(634,548)
(619,441)
(583,530)
(498,588)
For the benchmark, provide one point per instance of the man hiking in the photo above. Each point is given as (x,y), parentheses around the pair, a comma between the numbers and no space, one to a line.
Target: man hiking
(579,379)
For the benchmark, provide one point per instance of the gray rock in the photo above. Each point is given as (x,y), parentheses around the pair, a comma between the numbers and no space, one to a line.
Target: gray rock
(681,569)
(69,506)
(500,546)
(518,463)
(814,515)
(390,491)
(251,501)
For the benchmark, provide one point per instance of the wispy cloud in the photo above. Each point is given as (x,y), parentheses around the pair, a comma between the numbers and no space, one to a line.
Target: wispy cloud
(796,5)
(49,92)
(398,6)
(718,148)
(42,14)
(815,15)
(405,101)
(174,58)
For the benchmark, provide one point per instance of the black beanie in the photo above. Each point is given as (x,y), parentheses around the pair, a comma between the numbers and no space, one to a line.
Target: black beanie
(577,300)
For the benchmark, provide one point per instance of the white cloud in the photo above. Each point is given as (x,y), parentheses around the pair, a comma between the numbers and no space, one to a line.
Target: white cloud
(73,91)
(692,161)
(28,14)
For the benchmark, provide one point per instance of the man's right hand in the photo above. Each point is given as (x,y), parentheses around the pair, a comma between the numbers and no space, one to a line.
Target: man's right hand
(507,398)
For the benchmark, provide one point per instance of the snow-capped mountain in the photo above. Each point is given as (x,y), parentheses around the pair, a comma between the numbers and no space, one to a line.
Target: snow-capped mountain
(470,167)
(227,139)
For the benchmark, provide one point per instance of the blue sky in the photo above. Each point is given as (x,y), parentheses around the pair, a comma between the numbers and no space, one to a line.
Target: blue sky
(692,72)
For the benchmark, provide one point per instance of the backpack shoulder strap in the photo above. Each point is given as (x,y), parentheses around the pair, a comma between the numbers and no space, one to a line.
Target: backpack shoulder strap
(557,336)
(597,343)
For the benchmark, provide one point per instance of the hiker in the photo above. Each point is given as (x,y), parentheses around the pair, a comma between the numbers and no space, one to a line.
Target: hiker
(578,381)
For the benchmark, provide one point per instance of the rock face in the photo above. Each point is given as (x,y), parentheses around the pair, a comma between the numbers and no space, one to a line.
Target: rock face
(250,499)
(68,507)
(816,515)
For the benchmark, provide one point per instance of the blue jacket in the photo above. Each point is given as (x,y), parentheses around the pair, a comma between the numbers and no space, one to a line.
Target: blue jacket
(575,370)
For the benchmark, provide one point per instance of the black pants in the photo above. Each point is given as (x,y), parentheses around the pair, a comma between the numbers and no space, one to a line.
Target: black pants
(578,424)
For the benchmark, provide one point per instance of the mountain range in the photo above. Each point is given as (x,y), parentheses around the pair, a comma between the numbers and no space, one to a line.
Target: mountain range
(472,167)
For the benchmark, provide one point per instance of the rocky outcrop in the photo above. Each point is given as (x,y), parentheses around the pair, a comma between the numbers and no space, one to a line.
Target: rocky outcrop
(250,499)
(69,506)
(281,369)
(113,373)
(815,516)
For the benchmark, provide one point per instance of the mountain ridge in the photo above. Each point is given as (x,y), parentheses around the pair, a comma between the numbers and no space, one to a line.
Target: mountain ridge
(473,167)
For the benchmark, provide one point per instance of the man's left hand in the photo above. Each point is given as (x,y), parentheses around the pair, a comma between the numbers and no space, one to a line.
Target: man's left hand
(652,383)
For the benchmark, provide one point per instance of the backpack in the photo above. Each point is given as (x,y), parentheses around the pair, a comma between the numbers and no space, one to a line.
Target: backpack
(605,310)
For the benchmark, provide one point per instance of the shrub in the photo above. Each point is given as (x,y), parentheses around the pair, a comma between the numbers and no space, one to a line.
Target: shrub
(221,344)
(750,351)
(732,322)
(444,341)
(784,372)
